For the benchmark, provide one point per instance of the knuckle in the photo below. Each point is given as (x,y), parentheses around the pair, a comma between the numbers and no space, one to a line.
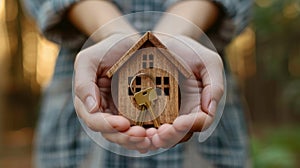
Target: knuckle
(122,139)
(79,87)
(217,88)
(91,124)
(208,122)
(108,137)
(78,59)
(220,88)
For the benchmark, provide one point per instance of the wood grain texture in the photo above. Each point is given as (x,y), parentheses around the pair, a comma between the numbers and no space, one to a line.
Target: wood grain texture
(148,36)
(165,107)
(127,55)
(163,64)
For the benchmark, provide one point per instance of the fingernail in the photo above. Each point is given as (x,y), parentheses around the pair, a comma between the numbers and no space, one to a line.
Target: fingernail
(212,106)
(90,103)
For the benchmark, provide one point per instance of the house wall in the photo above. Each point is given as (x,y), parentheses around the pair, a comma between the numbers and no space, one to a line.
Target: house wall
(165,106)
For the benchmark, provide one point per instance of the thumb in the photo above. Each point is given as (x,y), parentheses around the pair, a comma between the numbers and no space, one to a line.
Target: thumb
(88,93)
(88,66)
(212,76)
(85,87)
(213,88)
(207,66)
(210,97)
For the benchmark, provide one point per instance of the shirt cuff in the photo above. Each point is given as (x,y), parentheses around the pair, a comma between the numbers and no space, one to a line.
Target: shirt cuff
(56,27)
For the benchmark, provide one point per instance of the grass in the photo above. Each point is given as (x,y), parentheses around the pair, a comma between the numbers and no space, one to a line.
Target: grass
(277,148)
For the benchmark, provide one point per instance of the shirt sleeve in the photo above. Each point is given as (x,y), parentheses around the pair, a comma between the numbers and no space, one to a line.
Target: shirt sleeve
(234,18)
(51,19)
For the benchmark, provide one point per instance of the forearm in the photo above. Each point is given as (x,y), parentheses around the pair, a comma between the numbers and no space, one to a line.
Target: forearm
(89,15)
(202,13)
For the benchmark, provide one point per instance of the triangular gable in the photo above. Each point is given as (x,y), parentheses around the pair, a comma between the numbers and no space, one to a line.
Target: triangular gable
(148,36)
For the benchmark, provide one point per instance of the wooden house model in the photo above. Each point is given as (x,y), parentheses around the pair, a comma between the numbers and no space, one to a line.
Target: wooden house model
(148,63)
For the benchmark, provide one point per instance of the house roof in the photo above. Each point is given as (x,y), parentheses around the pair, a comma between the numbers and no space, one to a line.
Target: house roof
(148,36)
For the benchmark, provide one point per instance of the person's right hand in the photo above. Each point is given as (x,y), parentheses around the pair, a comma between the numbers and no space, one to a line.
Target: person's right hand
(200,94)
(93,100)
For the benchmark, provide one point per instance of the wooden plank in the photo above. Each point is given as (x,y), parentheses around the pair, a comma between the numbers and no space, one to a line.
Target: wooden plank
(165,65)
(157,43)
(178,64)
(127,55)
(166,106)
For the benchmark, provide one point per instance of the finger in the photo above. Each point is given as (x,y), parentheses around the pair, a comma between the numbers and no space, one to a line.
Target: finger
(210,97)
(153,148)
(167,136)
(101,122)
(213,82)
(207,66)
(143,146)
(85,75)
(186,137)
(124,138)
(190,97)
(150,132)
(194,122)
(94,61)
(166,131)
(213,88)
(130,139)
(210,72)
(134,139)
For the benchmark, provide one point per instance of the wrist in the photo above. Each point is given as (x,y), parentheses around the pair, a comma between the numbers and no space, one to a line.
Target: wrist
(115,27)
(189,18)
(99,19)
(175,25)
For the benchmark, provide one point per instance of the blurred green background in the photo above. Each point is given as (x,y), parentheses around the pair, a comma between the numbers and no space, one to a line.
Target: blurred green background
(265,59)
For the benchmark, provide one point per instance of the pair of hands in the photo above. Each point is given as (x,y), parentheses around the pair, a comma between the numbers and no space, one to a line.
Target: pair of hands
(200,95)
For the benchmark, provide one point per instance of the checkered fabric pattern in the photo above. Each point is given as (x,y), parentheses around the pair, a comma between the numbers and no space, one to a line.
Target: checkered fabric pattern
(61,141)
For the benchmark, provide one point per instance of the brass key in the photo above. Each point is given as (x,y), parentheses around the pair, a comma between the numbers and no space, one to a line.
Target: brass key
(144,99)
(141,116)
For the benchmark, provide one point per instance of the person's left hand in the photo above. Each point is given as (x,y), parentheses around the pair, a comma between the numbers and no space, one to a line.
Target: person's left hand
(93,100)
(200,95)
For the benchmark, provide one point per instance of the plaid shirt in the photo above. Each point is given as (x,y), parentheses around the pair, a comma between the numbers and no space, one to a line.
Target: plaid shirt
(61,142)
